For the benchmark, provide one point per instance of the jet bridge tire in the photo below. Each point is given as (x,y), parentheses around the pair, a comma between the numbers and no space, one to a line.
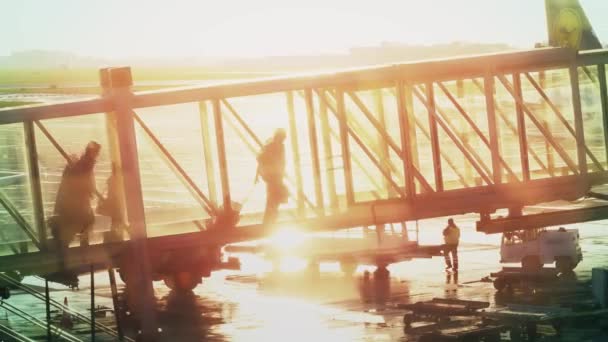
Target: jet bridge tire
(182,281)
(500,284)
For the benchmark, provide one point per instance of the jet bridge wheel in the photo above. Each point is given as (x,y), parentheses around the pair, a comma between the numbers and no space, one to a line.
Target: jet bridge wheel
(183,281)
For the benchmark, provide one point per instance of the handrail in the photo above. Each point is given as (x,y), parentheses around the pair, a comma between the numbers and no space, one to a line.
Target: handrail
(60,306)
(438,69)
(39,323)
(14,334)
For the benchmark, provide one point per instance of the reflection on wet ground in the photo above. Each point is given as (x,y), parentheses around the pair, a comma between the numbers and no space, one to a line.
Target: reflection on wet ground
(306,306)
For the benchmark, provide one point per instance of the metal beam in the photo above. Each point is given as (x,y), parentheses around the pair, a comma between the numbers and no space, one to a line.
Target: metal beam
(471,123)
(314,149)
(19,219)
(366,149)
(540,127)
(513,129)
(435,148)
(382,144)
(601,70)
(181,174)
(542,78)
(406,125)
(35,185)
(532,221)
(521,130)
(221,154)
(333,108)
(455,139)
(408,92)
(360,129)
(114,150)
(295,151)
(207,155)
(344,144)
(465,143)
(327,151)
(493,128)
(141,279)
(377,76)
(562,119)
(578,120)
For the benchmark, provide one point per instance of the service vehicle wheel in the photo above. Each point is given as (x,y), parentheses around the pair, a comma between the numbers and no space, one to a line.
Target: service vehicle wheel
(564,264)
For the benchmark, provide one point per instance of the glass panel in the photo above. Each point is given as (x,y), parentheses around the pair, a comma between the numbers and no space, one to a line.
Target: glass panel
(14,190)
(72,135)
(593,123)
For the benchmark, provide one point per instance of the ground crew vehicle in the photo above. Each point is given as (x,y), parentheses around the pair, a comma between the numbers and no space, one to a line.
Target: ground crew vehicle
(536,247)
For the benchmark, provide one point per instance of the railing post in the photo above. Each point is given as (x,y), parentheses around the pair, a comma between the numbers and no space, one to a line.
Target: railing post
(139,286)
(35,186)
(601,74)
(221,154)
(493,128)
(114,144)
(578,120)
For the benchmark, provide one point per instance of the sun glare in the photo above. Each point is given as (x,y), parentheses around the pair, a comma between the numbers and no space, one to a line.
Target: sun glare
(287,238)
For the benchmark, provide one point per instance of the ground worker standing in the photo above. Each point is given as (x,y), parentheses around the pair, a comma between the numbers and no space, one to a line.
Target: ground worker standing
(451,237)
(271,167)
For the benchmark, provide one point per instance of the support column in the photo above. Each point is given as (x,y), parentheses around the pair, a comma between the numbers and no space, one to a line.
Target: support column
(137,261)
(113,147)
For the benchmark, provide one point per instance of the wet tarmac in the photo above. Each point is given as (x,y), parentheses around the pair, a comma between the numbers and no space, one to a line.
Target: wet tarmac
(255,305)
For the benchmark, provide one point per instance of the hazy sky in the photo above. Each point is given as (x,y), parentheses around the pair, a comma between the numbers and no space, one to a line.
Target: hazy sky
(129,28)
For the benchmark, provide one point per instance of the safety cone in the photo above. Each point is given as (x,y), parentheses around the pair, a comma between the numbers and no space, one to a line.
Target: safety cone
(66,318)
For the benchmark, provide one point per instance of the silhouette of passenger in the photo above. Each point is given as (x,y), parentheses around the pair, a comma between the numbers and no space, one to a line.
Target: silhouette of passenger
(73,212)
(271,167)
(110,205)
